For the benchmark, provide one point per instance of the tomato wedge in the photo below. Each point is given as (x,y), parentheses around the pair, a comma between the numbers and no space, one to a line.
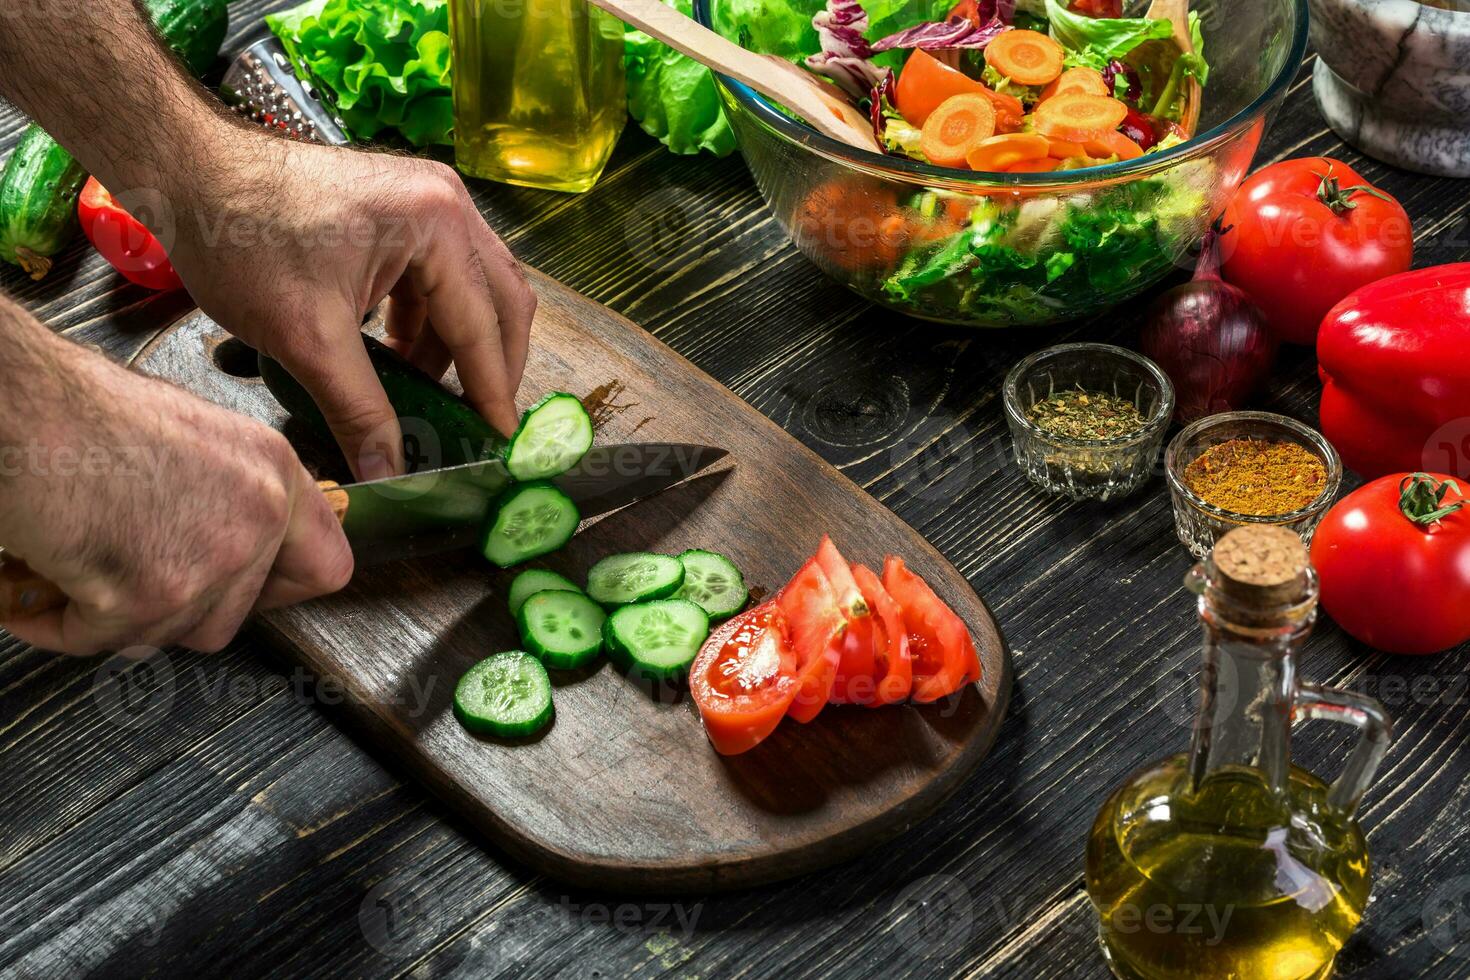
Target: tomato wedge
(944,658)
(892,666)
(925,82)
(818,625)
(744,679)
(854,681)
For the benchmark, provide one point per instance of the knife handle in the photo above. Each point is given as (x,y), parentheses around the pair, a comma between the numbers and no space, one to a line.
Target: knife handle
(25,593)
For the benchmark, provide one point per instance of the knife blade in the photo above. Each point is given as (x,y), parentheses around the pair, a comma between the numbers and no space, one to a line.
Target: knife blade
(442,510)
(438,510)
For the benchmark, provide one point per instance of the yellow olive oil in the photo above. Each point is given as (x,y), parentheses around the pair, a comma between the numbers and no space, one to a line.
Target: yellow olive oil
(1225,880)
(538,91)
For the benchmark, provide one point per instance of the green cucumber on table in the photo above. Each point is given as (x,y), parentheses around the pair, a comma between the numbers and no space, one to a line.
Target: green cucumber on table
(461,433)
(534,580)
(638,576)
(507,695)
(713,582)
(658,639)
(563,629)
(38,201)
(530,520)
(41,182)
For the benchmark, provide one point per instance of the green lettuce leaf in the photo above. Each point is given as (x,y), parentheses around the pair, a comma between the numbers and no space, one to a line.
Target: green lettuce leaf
(384,63)
(1095,41)
(779,27)
(674,97)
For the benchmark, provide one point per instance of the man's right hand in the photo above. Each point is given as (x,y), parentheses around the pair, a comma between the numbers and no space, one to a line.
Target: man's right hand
(164,519)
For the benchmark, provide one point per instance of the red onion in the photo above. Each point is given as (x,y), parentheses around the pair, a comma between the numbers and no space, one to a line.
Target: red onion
(1209,338)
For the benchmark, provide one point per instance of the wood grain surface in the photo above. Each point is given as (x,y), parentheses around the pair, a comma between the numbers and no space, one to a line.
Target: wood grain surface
(623,791)
(226,817)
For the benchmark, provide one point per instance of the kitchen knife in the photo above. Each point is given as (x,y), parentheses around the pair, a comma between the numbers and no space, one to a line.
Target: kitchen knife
(439,510)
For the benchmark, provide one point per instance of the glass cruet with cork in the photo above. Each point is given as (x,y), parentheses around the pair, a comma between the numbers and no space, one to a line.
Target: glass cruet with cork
(1229,861)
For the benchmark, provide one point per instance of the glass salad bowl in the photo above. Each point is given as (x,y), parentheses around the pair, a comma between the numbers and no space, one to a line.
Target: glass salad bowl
(1003,250)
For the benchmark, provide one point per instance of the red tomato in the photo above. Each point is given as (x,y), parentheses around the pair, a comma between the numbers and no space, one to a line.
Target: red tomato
(893,671)
(124,241)
(944,658)
(745,678)
(1307,232)
(1396,584)
(1098,8)
(925,82)
(853,683)
(817,627)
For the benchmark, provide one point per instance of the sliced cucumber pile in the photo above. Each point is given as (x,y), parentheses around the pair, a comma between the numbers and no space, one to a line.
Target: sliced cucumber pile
(507,695)
(639,576)
(713,582)
(531,519)
(563,628)
(658,639)
(534,580)
(554,435)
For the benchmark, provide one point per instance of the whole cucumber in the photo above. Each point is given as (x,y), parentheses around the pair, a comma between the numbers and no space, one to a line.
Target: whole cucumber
(194,29)
(447,429)
(38,201)
(42,181)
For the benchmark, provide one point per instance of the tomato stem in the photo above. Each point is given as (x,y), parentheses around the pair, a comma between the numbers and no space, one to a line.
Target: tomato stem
(1421,498)
(1331,193)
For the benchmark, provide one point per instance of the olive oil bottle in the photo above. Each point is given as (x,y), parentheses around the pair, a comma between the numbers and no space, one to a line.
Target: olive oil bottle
(538,91)
(1228,861)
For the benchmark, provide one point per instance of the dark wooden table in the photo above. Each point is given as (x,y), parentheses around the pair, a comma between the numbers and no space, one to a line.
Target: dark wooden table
(216,818)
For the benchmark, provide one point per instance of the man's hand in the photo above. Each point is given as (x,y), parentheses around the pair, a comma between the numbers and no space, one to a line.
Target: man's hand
(162,517)
(292,245)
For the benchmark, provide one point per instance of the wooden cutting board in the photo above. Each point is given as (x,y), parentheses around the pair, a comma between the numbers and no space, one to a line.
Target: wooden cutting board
(623,791)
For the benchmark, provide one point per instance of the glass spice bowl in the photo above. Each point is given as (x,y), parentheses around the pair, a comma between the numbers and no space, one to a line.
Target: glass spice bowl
(1199,523)
(1088,469)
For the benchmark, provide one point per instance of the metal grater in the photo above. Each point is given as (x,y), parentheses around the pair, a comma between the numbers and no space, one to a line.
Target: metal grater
(262,86)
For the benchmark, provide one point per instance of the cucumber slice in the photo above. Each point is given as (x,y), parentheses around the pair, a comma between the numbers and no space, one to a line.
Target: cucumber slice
(507,695)
(564,629)
(534,580)
(713,582)
(530,519)
(554,434)
(658,639)
(634,577)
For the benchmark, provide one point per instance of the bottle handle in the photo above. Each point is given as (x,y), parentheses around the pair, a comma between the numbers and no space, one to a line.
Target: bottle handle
(1375,732)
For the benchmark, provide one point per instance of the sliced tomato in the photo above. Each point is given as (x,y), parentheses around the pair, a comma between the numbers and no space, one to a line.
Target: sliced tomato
(892,666)
(817,628)
(944,658)
(744,678)
(854,682)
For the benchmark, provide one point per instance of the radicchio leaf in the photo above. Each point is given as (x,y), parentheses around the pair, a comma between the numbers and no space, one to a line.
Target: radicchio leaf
(845,53)
(1134,84)
(983,22)
(881,93)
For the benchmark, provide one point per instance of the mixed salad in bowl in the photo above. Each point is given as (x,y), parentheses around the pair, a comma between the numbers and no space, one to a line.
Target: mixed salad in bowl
(1018,184)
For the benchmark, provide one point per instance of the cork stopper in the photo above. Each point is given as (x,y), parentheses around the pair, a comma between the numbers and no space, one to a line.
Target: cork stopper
(1262,566)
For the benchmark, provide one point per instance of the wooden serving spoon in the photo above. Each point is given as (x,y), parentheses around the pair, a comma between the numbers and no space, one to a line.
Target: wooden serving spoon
(1177,12)
(803,93)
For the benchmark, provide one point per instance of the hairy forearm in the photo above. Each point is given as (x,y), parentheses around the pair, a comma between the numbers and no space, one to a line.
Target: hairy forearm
(96,77)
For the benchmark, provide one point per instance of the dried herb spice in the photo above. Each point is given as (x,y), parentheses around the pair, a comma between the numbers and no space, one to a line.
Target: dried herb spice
(1258,477)
(1081,414)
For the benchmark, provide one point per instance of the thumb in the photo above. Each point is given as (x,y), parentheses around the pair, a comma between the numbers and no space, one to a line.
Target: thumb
(340,377)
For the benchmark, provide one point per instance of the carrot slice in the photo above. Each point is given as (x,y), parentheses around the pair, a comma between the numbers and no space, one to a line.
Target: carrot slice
(1043,166)
(1065,150)
(1025,57)
(955,128)
(1112,143)
(1063,116)
(1003,152)
(1082,80)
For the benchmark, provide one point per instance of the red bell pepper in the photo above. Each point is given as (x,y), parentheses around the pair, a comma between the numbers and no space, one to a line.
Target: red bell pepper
(124,241)
(1395,363)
